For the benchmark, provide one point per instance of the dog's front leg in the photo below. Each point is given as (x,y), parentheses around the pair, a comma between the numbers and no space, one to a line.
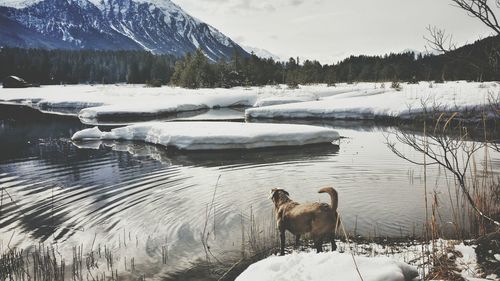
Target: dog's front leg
(282,242)
(280,220)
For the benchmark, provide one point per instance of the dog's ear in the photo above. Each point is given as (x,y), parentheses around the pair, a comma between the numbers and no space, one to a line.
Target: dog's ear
(275,190)
(272,192)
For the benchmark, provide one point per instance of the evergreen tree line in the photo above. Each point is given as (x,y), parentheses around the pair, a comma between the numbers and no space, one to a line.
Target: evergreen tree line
(85,66)
(475,62)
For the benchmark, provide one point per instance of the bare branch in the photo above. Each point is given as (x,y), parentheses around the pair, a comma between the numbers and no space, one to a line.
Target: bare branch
(439,41)
(454,153)
(481,10)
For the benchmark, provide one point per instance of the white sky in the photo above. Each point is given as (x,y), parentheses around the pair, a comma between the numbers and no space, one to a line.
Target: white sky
(329,30)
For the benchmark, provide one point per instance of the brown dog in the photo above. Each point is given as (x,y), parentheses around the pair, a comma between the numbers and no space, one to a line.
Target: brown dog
(318,219)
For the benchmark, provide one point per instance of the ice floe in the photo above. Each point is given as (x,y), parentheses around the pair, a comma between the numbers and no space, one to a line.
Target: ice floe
(214,135)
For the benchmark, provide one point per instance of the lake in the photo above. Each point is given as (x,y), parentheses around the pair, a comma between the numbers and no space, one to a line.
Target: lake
(146,202)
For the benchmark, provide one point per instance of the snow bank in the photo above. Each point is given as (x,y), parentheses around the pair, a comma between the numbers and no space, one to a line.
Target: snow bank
(278,100)
(274,95)
(214,135)
(386,103)
(126,100)
(326,267)
(165,105)
(356,101)
(136,99)
(467,263)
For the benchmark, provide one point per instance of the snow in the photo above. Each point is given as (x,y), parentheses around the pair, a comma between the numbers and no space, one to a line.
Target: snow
(355,101)
(277,100)
(18,4)
(386,102)
(214,135)
(87,134)
(326,267)
(261,53)
(165,105)
(375,262)
(129,100)
(171,9)
(467,262)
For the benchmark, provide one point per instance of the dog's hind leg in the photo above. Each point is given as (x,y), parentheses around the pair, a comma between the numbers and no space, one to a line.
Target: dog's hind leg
(334,245)
(297,241)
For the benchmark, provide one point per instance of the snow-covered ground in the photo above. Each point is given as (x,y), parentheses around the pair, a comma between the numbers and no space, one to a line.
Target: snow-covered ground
(375,262)
(126,100)
(384,102)
(214,135)
(344,101)
(119,101)
(326,267)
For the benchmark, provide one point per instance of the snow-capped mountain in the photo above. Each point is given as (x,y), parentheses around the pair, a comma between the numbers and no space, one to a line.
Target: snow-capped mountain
(159,26)
(261,53)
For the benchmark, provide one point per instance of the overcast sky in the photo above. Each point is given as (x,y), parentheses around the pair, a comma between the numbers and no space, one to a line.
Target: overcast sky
(329,30)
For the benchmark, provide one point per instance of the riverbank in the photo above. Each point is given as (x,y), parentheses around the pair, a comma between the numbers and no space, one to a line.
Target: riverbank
(409,260)
(387,259)
(358,101)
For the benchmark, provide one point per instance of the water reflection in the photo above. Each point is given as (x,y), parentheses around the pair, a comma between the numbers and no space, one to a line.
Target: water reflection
(219,158)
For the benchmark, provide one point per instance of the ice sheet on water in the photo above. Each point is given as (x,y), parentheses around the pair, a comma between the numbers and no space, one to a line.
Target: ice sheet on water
(214,135)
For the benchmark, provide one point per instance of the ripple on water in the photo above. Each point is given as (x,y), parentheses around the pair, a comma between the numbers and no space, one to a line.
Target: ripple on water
(69,195)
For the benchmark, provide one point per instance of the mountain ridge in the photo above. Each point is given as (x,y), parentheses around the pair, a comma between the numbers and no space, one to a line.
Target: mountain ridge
(113,25)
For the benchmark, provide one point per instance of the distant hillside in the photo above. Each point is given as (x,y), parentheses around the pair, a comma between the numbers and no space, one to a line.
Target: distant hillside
(476,61)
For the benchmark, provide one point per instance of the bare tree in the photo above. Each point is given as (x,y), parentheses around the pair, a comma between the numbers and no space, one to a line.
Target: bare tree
(439,40)
(449,148)
(482,10)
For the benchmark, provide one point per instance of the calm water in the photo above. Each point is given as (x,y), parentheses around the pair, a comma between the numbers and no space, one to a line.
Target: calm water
(138,198)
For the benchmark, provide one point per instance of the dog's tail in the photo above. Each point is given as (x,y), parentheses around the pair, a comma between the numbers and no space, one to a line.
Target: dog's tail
(333,196)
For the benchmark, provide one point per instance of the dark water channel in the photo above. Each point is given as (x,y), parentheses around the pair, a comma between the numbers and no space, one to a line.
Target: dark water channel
(140,199)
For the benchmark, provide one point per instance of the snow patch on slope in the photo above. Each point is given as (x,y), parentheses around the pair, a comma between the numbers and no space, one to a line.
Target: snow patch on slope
(18,4)
(261,53)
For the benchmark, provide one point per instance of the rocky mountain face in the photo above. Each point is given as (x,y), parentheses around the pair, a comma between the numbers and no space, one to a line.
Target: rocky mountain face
(158,26)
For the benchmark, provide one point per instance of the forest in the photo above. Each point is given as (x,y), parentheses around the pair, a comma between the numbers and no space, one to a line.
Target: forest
(85,66)
(473,62)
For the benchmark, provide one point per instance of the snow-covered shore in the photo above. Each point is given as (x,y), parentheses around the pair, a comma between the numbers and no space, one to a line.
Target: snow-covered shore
(108,100)
(378,102)
(126,100)
(395,262)
(326,267)
(214,135)
(344,101)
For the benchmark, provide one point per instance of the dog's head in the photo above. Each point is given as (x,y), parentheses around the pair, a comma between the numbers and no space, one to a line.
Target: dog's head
(277,195)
